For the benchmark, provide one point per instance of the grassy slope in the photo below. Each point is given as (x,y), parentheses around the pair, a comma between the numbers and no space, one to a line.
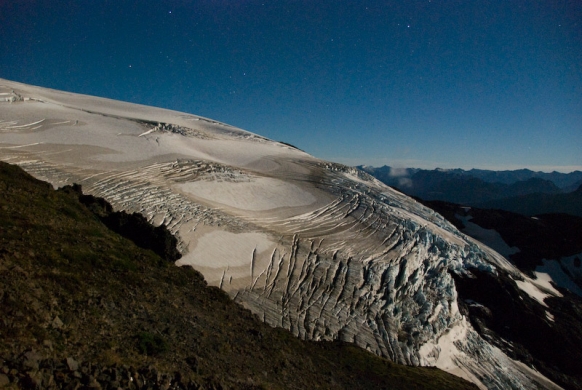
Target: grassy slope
(70,287)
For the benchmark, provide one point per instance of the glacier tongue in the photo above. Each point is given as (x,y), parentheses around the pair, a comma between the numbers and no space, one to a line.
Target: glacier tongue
(318,248)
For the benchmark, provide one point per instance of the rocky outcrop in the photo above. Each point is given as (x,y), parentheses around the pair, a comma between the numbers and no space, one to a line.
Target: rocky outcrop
(31,370)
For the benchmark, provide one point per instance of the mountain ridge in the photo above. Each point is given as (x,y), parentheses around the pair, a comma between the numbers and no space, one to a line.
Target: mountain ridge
(540,203)
(523,191)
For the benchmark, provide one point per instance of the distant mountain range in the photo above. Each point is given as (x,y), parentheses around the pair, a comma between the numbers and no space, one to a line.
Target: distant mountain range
(566,181)
(522,191)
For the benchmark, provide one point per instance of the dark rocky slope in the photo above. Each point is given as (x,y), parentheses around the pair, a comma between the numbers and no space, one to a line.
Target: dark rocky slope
(549,338)
(540,203)
(545,236)
(83,307)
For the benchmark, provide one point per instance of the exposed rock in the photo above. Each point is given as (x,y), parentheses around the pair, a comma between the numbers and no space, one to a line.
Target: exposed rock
(4,380)
(31,359)
(72,364)
(57,323)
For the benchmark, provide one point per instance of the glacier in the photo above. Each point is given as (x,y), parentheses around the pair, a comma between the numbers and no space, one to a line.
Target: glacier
(315,247)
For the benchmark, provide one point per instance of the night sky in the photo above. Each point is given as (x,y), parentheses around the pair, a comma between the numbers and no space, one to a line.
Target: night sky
(434,83)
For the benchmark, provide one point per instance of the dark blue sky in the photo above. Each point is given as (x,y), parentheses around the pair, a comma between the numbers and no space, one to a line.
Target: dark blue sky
(408,83)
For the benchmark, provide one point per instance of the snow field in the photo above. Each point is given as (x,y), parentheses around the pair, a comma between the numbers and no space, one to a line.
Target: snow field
(257,194)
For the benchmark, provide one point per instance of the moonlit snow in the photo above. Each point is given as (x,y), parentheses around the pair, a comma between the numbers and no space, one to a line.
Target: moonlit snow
(318,248)
(489,237)
(253,195)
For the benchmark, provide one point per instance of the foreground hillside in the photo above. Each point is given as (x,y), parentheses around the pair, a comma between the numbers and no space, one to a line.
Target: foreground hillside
(81,304)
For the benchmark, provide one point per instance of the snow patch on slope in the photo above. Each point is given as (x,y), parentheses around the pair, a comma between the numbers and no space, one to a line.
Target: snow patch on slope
(489,237)
(445,355)
(564,272)
(218,249)
(539,288)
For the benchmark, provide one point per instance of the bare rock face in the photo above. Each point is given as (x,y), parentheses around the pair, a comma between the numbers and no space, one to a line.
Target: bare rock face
(315,247)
